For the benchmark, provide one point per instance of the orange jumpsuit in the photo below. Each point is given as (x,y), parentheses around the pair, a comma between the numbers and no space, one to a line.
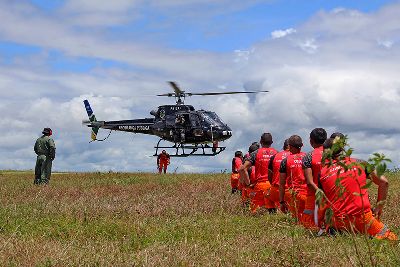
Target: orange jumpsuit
(313,161)
(163,161)
(292,166)
(350,201)
(236,163)
(274,165)
(257,192)
(244,189)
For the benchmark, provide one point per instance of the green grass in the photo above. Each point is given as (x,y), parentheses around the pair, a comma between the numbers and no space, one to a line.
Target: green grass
(141,219)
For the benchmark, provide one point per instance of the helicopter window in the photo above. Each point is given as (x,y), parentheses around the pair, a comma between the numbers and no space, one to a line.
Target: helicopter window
(170,120)
(195,121)
(182,119)
(208,117)
(213,115)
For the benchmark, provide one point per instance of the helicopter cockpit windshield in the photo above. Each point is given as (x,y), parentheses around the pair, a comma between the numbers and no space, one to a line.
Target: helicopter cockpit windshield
(211,117)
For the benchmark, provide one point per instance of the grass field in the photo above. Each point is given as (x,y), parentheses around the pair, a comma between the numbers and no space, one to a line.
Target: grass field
(140,219)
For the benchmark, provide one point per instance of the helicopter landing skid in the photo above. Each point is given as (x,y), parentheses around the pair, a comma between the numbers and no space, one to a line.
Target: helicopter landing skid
(186,150)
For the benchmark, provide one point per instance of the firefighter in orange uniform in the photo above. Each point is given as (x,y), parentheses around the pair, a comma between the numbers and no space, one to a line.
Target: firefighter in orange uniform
(349,200)
(312,168)
(237,161)
(292,174)
(258,187)
(252,174)
(274,174)
(163,161)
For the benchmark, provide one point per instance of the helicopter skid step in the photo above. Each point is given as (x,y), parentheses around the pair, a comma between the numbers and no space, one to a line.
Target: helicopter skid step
(184,150)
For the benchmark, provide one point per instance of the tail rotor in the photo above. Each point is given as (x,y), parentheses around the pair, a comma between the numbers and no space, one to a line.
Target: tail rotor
(92,121)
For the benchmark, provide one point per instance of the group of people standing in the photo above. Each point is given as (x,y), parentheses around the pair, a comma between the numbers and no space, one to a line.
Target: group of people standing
(289,179)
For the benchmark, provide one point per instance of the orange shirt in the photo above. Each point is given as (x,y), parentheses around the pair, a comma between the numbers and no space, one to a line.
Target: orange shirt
(313,160)
(275,164)
(163,158)
(260,160)
(350,198)
(293,167)
(236,163)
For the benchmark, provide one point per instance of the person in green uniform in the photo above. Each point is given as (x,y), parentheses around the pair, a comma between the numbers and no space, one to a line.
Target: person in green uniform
(45,150)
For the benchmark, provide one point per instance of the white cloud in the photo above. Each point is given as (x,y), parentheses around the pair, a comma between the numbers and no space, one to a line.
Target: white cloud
(89,13)
(309,45)
(242,56)
(282,33)
(386,43)
(100,13)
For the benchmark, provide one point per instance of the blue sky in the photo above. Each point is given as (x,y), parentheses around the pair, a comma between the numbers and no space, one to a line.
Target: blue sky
(309,54)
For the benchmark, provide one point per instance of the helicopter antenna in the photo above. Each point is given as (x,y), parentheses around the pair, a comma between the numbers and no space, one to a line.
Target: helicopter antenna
(180,94)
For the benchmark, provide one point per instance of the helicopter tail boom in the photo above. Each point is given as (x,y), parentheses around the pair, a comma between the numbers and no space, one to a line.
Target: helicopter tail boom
(92,121)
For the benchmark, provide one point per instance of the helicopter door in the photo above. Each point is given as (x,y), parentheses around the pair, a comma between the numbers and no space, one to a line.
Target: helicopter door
(195,124)
(182,120)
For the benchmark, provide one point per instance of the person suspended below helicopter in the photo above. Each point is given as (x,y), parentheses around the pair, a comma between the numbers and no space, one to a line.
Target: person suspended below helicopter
(163,160)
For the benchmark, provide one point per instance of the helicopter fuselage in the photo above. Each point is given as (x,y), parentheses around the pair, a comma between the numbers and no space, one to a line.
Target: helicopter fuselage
(175,123)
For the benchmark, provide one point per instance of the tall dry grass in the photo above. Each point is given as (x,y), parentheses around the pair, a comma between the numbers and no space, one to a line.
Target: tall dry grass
(140,219)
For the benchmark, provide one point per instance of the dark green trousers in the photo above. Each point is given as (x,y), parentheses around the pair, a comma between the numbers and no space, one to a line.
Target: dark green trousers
(43,169)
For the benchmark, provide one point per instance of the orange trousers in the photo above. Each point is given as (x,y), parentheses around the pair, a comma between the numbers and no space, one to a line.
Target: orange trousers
(234,180)
(162,166)
(273,195)
(307,218)
(245,195)
(297,204)
(366,224)
(257,195)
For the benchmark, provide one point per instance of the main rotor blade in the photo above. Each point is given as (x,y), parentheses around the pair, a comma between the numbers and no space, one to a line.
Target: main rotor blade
(176,88)
(169,94)
(228,93)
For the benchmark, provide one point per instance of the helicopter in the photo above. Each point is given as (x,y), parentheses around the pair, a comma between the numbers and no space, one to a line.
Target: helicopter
(192,132)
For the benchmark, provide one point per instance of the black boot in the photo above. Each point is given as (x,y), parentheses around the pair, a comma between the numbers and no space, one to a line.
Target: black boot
(272,211)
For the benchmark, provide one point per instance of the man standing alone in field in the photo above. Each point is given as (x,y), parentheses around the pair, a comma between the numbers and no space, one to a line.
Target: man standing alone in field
(45,150)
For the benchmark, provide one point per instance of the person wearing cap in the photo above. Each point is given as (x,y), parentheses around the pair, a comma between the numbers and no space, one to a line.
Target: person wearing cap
(258,187)
(347,194)
(292,175)
(274,174)
(312,167)
(45,150)
(163,160)
(237,161)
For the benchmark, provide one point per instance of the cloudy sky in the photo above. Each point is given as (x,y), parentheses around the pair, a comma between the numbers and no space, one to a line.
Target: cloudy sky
(332,64)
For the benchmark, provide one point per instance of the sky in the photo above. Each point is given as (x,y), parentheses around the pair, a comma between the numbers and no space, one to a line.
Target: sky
(331,64)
